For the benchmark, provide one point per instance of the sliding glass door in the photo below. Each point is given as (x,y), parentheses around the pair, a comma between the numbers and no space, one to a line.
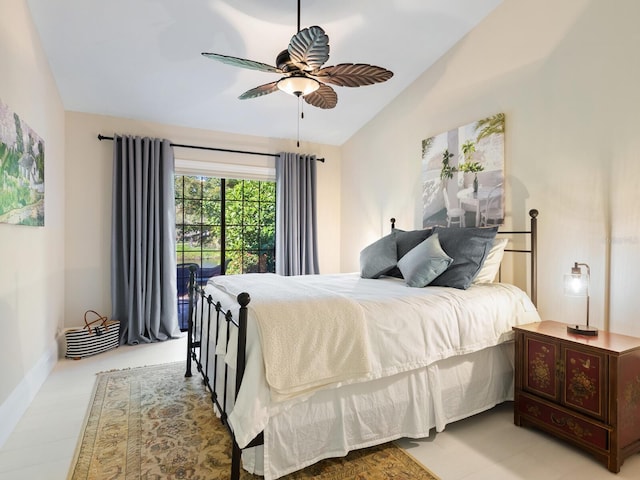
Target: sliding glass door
(223,226)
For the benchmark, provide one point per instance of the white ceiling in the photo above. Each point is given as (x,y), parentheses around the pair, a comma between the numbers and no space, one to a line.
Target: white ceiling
(141,59)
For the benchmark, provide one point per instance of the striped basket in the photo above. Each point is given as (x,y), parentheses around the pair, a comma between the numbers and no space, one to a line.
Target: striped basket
(96,336)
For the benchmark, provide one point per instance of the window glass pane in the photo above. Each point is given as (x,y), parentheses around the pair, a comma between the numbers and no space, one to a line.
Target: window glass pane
(234,189)
(251,213)
(268,214)
(179,209)
(252,189)
(192,213)
(210,238)
(251,238)
(211,188)
(192,236)
(178,182)
(268,191)
(211,258)
(234,239)
(235,262)
(233,212)
(192,187)
(179,237)
(270,258)
(211,212)
(267,237)
(251,262)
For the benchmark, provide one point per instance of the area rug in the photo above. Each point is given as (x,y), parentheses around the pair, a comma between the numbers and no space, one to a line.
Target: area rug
(151,423)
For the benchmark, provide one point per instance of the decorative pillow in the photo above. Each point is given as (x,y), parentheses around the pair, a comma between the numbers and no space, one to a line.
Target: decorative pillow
(489,270)
(379,257)
(406,241)
(468,247)
(424,262)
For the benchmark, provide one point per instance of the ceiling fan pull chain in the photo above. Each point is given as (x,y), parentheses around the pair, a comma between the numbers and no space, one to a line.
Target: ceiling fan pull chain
(298,139)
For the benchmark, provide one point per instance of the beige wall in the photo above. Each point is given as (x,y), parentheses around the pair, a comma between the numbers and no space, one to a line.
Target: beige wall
(31,258)
(88,196)
(567,76)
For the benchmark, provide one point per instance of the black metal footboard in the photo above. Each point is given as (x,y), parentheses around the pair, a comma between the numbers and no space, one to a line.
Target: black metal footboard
(206,321)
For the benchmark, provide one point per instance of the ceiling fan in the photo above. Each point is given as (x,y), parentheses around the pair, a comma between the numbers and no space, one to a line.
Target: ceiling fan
(301,68)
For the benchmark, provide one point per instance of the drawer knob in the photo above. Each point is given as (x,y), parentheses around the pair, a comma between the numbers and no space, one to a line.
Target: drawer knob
(561,422)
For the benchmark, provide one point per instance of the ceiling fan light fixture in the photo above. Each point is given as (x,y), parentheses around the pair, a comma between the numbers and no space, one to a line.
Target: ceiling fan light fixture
(298,85)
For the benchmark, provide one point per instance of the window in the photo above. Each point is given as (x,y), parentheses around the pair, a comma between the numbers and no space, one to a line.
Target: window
(225,225)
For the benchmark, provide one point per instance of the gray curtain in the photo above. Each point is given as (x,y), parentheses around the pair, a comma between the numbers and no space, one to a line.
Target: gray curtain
(296,243)
(143,253)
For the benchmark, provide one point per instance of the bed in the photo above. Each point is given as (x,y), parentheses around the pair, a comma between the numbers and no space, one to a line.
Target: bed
(311,367)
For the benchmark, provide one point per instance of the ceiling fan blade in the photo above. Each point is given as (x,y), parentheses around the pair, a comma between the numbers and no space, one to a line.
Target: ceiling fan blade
(309,48)
(242,62)
(260,91)
(353,74)
(324,97)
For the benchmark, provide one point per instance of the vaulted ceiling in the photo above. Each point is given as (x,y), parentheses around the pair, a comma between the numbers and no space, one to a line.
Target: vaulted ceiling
(141,59)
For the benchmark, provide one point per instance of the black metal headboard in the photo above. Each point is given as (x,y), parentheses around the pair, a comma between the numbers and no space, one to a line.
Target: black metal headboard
(532,250)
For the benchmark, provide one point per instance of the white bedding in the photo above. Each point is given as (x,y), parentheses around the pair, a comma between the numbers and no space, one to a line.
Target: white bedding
(323,330)
(407,329)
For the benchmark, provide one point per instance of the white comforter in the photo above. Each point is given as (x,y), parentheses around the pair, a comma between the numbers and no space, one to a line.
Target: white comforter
(406,328)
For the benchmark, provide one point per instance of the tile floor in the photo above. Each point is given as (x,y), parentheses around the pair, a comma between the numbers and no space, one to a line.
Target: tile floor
(43,443)
(487,446)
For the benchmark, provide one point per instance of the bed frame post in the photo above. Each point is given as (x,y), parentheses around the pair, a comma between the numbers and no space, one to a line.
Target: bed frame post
(533,213)
(243,300)
(192,295)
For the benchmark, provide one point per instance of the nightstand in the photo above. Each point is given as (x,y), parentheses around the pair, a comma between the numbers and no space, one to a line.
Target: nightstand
(584,390)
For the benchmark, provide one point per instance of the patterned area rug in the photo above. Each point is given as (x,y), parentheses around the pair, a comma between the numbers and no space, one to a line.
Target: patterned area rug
(152,423)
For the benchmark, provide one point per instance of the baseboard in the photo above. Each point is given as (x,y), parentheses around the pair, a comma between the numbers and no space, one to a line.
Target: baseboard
(16,404)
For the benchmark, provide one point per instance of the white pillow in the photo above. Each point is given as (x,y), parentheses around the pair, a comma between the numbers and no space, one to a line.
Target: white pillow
(491,265)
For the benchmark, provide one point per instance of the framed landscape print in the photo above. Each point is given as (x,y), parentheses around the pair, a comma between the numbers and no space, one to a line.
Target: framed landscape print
(463,175)
(21,171)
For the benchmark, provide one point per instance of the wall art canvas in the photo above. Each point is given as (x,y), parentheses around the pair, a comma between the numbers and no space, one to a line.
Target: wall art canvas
(463,175)
(21,171)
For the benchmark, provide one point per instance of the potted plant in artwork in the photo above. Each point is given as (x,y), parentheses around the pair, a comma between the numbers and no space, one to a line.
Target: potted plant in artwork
(472,167)
(447,170)
(468,149)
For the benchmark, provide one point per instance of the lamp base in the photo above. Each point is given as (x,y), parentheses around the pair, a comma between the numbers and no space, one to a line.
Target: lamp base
(583,330)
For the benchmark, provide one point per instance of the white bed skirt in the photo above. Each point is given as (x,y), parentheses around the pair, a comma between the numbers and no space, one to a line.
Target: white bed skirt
(333,422)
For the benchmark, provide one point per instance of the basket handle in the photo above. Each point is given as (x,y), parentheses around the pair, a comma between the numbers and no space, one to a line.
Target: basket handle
(101,318)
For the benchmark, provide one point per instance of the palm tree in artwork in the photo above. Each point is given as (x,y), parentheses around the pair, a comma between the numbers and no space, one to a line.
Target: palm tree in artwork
(490,126)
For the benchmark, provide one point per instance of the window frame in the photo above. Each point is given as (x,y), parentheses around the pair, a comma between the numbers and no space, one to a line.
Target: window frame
(240,253)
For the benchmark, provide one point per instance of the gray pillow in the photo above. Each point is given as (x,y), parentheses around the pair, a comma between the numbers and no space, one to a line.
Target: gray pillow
(424,262)
(406,241)
(468,247)
(379,257)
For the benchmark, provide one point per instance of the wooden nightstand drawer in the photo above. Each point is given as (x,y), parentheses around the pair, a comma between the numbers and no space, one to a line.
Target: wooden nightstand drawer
(577,429)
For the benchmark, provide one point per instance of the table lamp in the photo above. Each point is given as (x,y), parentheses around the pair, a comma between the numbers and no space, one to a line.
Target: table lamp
(576,284)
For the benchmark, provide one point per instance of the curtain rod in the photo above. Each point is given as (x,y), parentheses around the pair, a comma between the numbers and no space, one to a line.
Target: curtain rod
(198,147)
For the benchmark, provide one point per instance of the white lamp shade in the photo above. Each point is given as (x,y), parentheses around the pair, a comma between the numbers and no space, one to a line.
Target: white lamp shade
(298,85)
